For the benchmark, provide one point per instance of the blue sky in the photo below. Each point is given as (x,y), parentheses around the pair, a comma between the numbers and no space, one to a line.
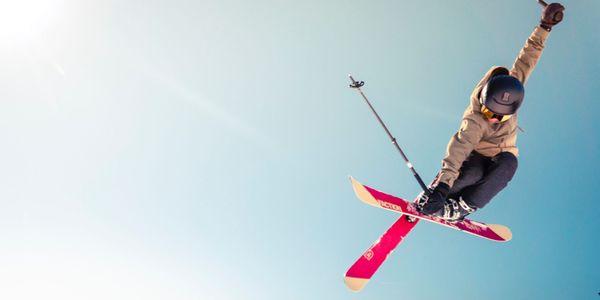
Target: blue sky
(201,149)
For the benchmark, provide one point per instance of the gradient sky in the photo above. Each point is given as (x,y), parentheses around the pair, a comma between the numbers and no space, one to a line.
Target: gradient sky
(201,149)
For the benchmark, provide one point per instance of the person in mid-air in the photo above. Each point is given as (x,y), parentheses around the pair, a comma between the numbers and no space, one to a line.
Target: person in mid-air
(481,158)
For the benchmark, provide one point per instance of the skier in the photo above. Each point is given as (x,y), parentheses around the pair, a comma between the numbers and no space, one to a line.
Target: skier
(481,158)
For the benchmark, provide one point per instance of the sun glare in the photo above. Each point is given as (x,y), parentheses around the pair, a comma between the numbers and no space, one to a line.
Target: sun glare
(23,20)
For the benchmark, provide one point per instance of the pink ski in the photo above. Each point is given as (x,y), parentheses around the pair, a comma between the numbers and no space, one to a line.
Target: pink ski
(363,269)
(376,198)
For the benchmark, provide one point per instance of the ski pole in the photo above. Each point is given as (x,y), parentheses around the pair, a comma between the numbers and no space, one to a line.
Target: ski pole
(542,3)
(356,85)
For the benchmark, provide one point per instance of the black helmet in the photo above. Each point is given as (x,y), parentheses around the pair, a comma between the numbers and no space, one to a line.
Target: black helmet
(503,95)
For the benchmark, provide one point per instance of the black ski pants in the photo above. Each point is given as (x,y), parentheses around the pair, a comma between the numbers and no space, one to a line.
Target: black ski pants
(482,177)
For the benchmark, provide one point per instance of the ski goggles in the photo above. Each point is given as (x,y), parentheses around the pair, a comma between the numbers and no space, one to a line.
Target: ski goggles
(491,115)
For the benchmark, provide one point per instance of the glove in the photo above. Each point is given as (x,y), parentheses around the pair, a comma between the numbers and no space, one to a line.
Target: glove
(551,15)
(436,199)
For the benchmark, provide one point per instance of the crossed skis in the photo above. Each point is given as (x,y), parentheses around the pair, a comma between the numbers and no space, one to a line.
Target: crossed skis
(363,269)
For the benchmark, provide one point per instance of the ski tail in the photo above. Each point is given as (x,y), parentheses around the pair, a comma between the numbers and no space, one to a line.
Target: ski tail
(355,284)
(362,193)
(359,274)
(502,231)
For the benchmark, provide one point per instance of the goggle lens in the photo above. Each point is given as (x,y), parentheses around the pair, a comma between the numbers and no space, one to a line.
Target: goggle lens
(491,115)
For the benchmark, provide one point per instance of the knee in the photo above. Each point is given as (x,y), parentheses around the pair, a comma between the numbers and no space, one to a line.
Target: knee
(506,158)
(507,162)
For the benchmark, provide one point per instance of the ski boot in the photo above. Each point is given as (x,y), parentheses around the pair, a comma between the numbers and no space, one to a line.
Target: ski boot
(455,210)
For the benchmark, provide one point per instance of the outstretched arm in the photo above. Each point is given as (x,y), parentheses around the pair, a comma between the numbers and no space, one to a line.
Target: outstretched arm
(528,57)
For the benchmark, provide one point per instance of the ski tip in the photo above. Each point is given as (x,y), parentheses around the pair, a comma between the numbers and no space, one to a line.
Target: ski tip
(362,193)
(352,180)
(355,284)
(502,231)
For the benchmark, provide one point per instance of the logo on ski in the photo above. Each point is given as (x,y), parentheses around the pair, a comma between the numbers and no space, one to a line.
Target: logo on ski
(369,254)
(391,206)
(475,226)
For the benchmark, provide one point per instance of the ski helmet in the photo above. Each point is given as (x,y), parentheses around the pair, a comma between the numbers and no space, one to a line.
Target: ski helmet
(503,95)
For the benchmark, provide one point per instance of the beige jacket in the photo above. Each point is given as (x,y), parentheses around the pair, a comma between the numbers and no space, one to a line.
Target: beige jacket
(476,133)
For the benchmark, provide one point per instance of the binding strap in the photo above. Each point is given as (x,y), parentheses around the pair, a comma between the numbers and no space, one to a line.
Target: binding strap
(465,206)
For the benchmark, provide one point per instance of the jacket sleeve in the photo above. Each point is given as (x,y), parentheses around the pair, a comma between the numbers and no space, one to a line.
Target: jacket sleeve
(529,55)
(459,148)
